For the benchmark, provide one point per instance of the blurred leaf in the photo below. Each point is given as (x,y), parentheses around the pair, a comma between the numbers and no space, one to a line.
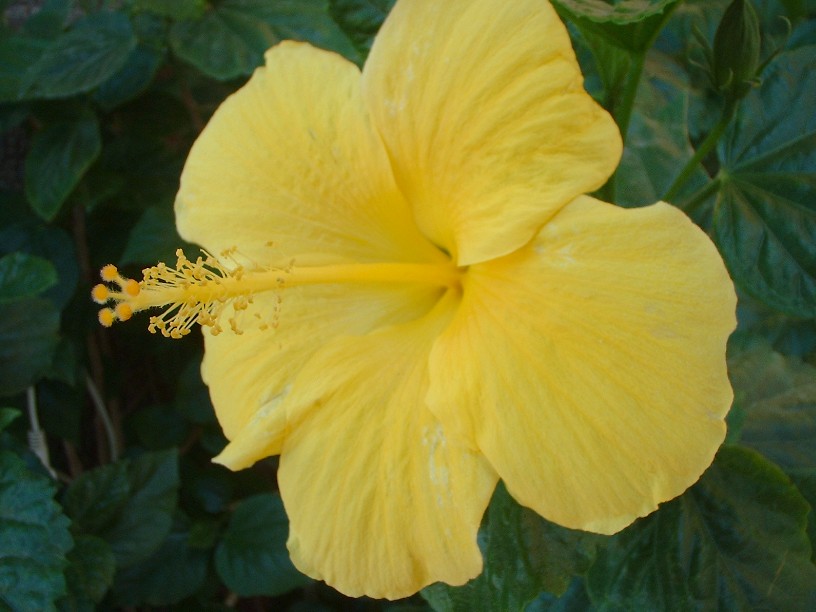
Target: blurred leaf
(361,20)
(788,335)
(34,538)
(7,416)
(24,276)
(252,558)
(735,541)
(17,55)
(620,12)
(89,574)
(60,154)
(49,19)
(175,571)
(524,555)
(154,238)
(208,488)
(575,599)
(148,515)
(159,427)
(92,51)
(173,9)
(192,396)
(131,79)
(765,214)
(28,338)
(230,40)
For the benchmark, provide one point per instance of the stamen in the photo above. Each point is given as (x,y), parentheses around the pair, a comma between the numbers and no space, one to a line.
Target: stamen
(200,291)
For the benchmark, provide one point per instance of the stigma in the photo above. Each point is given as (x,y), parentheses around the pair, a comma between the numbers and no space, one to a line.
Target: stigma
(212,292)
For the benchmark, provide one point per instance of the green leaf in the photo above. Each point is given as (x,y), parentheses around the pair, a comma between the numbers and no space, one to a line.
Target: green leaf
(777,398)
(252,558)
(60,155)
(97,498)
(159,427)
(89,574)
(148,515)
(765,214)
(92,51)
(24,276)
(8,416)
(129,504)
(17,55)
(153,238)
(34,538)
(523,555)
(49,19)
(172,9)
(361,20)
(734,541)
(131,79)
(28,338)
(619,12)
(230,40)
(146,583)
(192,395)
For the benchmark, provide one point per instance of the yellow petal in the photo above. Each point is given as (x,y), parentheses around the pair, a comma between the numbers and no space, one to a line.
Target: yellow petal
(482,109)
(381,502)
(249,375)
(291,159)
(589,367)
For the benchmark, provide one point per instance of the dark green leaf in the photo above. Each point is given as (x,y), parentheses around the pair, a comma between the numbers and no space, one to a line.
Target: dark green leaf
(17,55)
(192,396)
(96,499)
(159,427)
(777,398)
(154,238)
(230,40)
(7,416)
(788,335)
(175,571)
(576,599)
(252,558)
(92,51)
(735,541)
(361,20)
(28,338)
(24,275)
(60,154)
(34,538)
(620,12)
(765,215)
(147,516)
(89,574)
(131,79)
(805,481)
(49,19)
(523,556)
(173,9)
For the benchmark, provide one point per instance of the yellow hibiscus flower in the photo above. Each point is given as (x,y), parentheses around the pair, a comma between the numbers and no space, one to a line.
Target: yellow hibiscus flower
(425,302)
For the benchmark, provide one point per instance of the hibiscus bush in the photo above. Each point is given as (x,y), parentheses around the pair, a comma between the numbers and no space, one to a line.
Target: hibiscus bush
(108,494)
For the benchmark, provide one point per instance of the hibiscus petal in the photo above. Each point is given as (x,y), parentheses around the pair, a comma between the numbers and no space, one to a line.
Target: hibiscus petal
(291,159)
(482,108)
(380,501)
(589,367)
(249,375)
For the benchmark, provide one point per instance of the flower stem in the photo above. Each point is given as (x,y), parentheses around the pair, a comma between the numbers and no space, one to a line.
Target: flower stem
(702,152)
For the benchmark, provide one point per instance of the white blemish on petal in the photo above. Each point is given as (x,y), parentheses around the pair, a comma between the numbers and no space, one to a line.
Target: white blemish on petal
(435,442)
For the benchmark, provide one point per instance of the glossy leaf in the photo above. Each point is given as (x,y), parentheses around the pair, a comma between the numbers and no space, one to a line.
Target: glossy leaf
(734,541)
(23,275)
(230,40)
(623,11)
(60,155)
(88,54)
(765,214)
(89,574)
(153,238)
(28,338)
(34,538)
(523,556)
(131,79)
(17,55)
(252,558)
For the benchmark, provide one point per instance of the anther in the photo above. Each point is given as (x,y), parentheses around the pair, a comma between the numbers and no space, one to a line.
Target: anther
(109,273)
(131,287)
(123,312)
(106,317)
(100,294)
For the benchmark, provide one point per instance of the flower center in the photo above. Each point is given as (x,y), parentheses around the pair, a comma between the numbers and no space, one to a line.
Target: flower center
(201,291)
